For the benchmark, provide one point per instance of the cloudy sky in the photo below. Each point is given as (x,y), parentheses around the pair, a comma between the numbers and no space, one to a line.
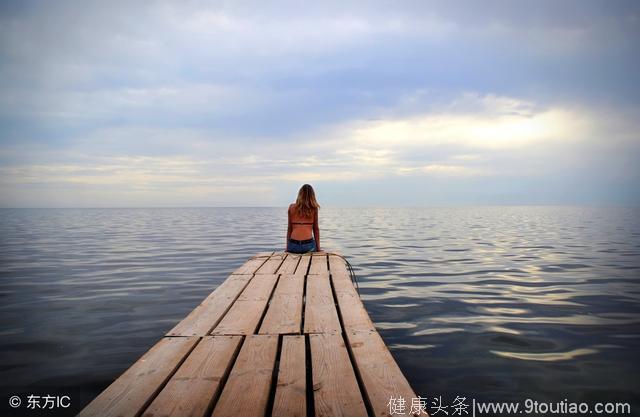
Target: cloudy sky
(194,103)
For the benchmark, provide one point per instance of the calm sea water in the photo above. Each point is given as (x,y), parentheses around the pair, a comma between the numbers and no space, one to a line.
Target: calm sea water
(503,303)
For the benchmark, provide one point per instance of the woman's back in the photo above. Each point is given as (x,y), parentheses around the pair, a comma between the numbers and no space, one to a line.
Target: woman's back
(303,232)
(302,226)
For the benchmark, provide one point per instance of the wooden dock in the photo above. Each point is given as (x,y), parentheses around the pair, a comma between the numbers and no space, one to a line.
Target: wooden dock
(283,335)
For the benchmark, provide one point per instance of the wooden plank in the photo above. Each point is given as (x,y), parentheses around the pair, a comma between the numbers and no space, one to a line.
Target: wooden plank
(135,388)
(318,264)
(303,266)
(284,314)
(335,388)
(246,392)
(197,383)
(245,313)
(337,265)
(289,265)
(179,376)
(354,315)
(320,315)
(381,377)
(210,311)
(271,265)
(290,399)
(340,275)
(259,288)
(263,254)
(251,266)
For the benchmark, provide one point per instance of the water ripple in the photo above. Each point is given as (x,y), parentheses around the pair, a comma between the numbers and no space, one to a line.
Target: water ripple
(537,300)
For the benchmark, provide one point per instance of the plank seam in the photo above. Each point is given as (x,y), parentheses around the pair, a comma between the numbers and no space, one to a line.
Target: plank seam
(287,256)
(280,264)
(266,307)
(309,377)
(304,302)
(255,270)
(276,269)
(222,316)
(363,391)
(308,265)
(299,259)
(223,380)
(274,379)
(168,378)
(261,265)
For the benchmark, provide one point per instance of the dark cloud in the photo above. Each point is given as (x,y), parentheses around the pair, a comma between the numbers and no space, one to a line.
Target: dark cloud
(122,77)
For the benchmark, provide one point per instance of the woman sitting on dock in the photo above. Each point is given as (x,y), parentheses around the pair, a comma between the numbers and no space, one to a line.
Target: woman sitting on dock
(303,220)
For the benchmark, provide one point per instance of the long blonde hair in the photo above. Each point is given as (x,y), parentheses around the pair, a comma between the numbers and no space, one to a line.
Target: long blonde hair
(306,202)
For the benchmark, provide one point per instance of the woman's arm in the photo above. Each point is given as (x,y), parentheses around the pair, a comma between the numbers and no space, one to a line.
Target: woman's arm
(289,228)
(316,231)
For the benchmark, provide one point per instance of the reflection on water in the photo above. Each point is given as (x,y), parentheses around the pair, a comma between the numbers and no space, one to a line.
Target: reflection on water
(549,357)
(502,303)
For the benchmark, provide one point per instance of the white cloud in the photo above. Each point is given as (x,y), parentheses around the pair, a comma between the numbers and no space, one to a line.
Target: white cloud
(485,137)
(208,95)
(464,141)
(497,123)
(445,170)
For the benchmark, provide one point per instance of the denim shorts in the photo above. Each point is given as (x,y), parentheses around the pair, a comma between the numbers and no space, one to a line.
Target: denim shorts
(301,246)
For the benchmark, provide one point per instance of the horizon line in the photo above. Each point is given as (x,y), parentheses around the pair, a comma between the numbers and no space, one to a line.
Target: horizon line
(584,205)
